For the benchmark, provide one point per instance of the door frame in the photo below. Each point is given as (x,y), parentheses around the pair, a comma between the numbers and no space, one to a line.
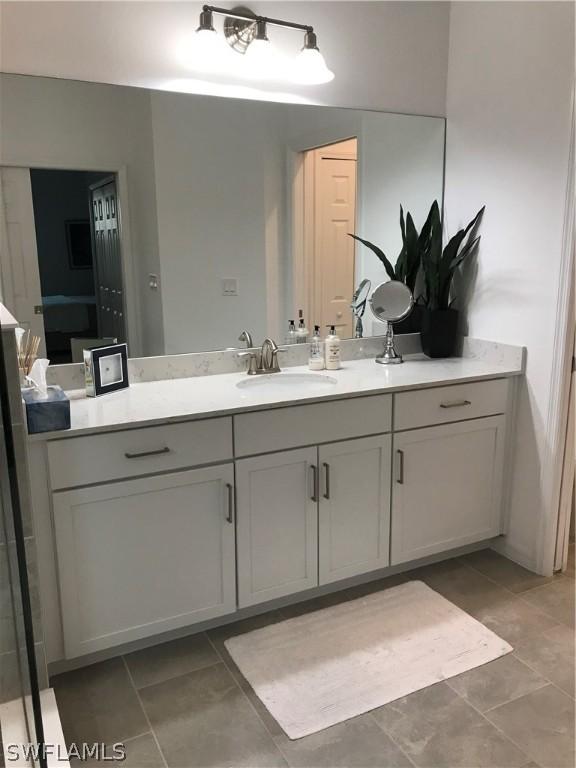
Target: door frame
(557,417)
(300,247)
(129,268)
(305,284)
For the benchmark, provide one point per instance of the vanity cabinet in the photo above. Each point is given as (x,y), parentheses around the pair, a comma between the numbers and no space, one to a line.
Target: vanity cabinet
(447,487)
(163,527)
(354,510)
(277,525)
(140,557)
(312,516)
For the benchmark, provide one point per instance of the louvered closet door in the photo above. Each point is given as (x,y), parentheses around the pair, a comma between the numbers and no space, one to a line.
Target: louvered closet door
(108,261)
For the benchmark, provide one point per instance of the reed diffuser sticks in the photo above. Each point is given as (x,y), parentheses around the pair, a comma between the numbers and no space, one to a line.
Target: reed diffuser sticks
(27,352)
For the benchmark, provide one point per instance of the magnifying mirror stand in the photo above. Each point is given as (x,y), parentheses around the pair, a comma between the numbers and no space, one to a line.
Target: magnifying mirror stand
(389,356)
(359,328)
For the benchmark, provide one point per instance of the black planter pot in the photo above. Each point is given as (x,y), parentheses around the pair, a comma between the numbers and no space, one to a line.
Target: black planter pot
(439,333)
(412,323)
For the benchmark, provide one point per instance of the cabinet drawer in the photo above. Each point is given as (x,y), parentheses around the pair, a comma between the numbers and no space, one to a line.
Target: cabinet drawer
(267,431)
(115,455)
(427,407)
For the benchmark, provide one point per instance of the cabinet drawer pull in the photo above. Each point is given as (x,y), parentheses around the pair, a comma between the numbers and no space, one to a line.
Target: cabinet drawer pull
(314,473)
(400,478)
(143,454)
(230,510)
(455,404)
(326,480)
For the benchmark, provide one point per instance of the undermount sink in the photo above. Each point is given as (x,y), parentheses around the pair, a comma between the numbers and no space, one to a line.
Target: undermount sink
(281,382)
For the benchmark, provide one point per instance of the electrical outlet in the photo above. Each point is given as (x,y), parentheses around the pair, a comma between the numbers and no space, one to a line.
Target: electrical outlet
(229,286)
(153,282)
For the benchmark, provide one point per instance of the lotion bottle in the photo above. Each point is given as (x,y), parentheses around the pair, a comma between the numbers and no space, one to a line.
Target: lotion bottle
(291,334)
(332,347)
(301,331)
(316,358)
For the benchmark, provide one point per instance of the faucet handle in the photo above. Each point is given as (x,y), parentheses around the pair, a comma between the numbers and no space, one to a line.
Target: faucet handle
(254,361)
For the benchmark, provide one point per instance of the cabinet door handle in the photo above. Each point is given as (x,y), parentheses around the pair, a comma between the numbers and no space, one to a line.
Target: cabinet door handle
(455,404)
(230,510)
(314,473)
(400,478)
(143,454)
(326,480)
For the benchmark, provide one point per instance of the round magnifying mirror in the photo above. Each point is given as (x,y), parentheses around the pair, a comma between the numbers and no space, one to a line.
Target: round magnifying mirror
(391,302)
(360,295)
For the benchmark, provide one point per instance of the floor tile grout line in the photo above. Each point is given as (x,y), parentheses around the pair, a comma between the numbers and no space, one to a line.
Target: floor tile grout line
(175,677)
(505,736)
(253,708)
(492,581)
(544,683)
(140,702)
(389,735)
(520,595)
(550,682)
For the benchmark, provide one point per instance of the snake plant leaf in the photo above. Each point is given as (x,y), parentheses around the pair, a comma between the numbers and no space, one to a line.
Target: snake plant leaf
(380,253)
(412,253)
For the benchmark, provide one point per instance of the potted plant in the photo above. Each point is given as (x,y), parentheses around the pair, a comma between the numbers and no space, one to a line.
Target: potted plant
(440,321)
(407,265)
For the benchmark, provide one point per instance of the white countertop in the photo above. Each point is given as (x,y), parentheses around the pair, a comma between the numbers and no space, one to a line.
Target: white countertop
(183,399)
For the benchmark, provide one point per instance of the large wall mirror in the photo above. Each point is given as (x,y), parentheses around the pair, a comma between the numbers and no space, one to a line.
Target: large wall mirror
(175,221)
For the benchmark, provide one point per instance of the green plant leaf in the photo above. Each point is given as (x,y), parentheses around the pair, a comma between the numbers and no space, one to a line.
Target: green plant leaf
(380,253)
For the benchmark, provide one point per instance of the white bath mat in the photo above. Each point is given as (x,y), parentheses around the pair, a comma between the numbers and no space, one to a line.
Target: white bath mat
(325,667)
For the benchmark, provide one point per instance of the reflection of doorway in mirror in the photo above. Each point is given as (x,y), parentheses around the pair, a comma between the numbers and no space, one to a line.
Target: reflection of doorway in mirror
(62,274)
(329,215)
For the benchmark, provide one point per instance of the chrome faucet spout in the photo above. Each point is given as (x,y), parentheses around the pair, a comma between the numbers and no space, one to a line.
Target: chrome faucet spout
(269,356)
(246,337)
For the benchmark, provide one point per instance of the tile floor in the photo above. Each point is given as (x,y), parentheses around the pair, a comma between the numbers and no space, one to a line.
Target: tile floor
(184,704)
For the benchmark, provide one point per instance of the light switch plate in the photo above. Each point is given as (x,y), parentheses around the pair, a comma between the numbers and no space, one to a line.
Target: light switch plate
(153,282)
(229,286)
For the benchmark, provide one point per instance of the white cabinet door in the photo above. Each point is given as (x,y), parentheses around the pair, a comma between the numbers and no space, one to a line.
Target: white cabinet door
(277,525)
(354,525)
(141,557)
(447,487)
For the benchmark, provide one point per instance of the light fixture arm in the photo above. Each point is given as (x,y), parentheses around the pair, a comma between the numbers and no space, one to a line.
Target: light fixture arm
(256,19)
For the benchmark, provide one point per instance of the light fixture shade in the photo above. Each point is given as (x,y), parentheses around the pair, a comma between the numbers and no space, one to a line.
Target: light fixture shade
(310,68)
(209,51)
(262,61)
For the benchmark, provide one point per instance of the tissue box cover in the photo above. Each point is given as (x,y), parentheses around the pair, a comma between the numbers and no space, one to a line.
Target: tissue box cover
(46,414)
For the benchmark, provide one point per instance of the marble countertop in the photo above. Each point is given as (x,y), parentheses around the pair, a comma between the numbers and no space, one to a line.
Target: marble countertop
(184,399)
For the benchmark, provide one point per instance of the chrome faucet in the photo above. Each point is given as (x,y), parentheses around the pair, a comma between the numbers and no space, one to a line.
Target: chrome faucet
(246,336)
(264,359)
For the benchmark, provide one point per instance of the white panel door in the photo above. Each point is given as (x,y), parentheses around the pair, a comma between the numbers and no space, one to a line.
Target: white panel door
(335,217)
(141,557)
(354,524)
(277,525)
(447,487)
(20,275)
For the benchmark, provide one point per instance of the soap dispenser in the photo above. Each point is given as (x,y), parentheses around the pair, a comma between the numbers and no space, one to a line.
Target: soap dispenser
(316,358)
(291,334)
(301,331)
(332,346)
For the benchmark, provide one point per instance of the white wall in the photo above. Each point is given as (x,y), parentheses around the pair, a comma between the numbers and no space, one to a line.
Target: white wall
(386,55)
(62,124)
(510,78)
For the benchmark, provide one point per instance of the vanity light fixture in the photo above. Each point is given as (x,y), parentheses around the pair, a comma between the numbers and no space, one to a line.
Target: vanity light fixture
(247,34)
